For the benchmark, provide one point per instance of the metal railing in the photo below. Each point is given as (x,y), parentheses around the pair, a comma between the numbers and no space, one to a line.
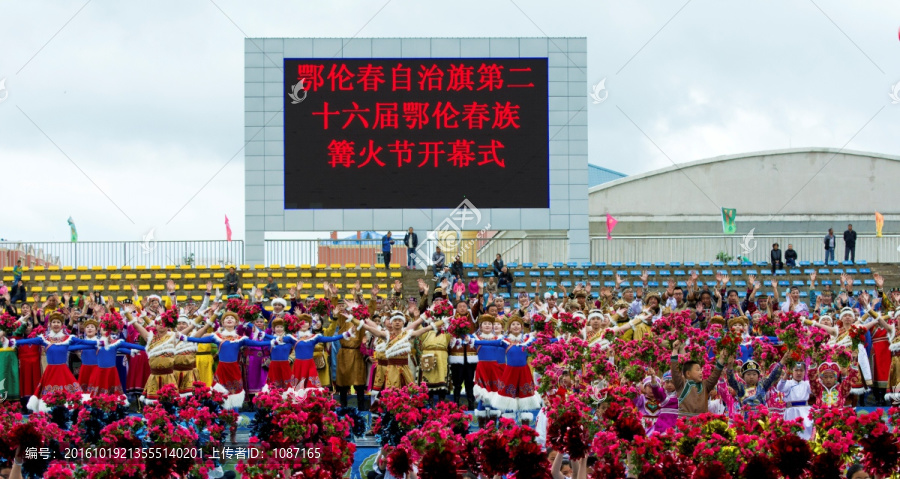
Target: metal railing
(707,248)
(122,253)
(339,251)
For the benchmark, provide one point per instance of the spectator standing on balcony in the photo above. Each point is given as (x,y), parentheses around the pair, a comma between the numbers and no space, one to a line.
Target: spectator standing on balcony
(829,246)
(386,243)
(504,279)
(850,244)
(498,265)
(411,240)
(775,256)
(231,281)
(437,260)
(17,271)
(790,256)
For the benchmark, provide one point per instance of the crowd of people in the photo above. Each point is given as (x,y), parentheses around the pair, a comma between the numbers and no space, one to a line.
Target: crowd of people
(552,363)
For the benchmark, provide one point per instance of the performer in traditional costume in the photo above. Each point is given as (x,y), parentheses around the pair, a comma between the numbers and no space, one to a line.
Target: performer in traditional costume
(489,370)
(160,350)
(57,376)
(395,347)
(827,392)
(280,375)
(796,396)
(434,362)
(751,393)
(305,376)
(186,372)
(105,379)
(256,359)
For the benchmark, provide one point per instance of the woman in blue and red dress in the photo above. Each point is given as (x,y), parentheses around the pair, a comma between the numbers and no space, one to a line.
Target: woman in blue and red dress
(57,376)
(105,379)
(305,376)
(280,376)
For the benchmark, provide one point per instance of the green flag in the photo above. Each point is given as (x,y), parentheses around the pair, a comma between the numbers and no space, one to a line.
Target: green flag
(74,231)
(728,226)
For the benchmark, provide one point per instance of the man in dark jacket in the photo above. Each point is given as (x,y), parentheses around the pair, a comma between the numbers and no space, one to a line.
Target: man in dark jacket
(231,281)
(775,257)
(411,240)
(456,268)
(504,280)
(790,256)
(850,244)
(386,243)
(498,265)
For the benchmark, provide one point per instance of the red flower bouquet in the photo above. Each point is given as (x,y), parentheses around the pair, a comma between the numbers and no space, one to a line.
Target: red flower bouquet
(320,306)
(9,324)
(541,324)
(441,309)
(249,312)
(570,323)
(728,344)
(234,305)
(461,326)
(360,312)
(857,335)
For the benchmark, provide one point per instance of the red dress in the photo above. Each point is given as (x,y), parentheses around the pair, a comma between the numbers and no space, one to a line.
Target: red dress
(29,369)
(881,357)
(138,365)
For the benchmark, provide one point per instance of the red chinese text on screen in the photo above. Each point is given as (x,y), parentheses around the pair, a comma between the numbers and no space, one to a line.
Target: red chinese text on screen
(457,77)
(419,115)
(459,153)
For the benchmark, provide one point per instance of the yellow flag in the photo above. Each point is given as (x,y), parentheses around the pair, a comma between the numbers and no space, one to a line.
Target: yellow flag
(879,223)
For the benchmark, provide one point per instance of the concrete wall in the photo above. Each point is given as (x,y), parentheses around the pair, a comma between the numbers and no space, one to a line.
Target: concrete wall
(776,192)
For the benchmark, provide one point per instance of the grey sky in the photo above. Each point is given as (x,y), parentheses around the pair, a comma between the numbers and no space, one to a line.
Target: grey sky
(147,98)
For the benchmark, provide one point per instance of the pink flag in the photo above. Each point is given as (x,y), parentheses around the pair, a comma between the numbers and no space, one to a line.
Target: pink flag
(228,228)
(610,224)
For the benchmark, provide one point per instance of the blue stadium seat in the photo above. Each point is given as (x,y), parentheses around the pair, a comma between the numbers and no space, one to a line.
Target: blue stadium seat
(680,272)
(689,264)
(704,264)
(627,284)
(710,284)
(608,284)
(742,294)
(762,264)
(622,273)
(520,284)
(769,293)
(512,265)
(593,273)
(707,272)
(851,270)
(587,265)
(635,272)
(751,271)
(837,271)
(505,295)
(616,265)
(565,274)
(675,264)
(468,265)
(472,274)
(827,282)
(804,294)
(577,273)
(765,272)
(809,271)
(665,272)
(534,274)
(527,265)
(740,283)
(804,264)
(736,272)
(646,265)
(482,265)
(542,265)
(519,274)
(567,284)
(718,264)
(602,264)
(869,282)
(824,271)
(847,263)
(607,272)
(651,273)
(784,283)
(732,264)
(682,284)
(857,282)
(572,264)
(659,264)
(797,283)
(630,264)
(833,263)
(780,272)
(818,263)
(550,272)
(865,271)
(551,284)
(558,265)
(533,284)
(651,284)
(862,262)
(767,283)
(794,271)
(488,274)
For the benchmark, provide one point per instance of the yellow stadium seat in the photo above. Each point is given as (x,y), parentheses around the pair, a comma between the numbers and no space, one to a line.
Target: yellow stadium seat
(320,275)
(36,289)
(395,274)
(292,274)
(70,277)
(158,287)
(382,286)
(26,278)
(247,286)
(100,277)
(365,275)
(98,287)
(112,268)
(159,276)
(56,277)
(189,287)
(290,266)
(96,268)
(367,296)
(26,268)
(379,266)
(175,276)
(219,286)
(351,275)
(85,277)
(53,268)
(366,286)
(180,298)
(79,268)
(207,276)
(246,275)
(155,267)
(335,275)
(215,266)
(40,278)
(334,266)
(381,274)
(184,266)
(277,274)
(305,266)
(274,266)
(130,276)
(219,275)
(116,276)
(140,267)
(350,265)
(8,278)
(305,275)
(306,286)
(319,296)
(259,266)
(143,287)
(145,275)
(262,274)
(52,289)
(7,269)
(320,266)
(395,265)
(191,275)
(365,265)
(169,266)
(245,266)
(115,287)
(64,268)
(126,268)
(66,288)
